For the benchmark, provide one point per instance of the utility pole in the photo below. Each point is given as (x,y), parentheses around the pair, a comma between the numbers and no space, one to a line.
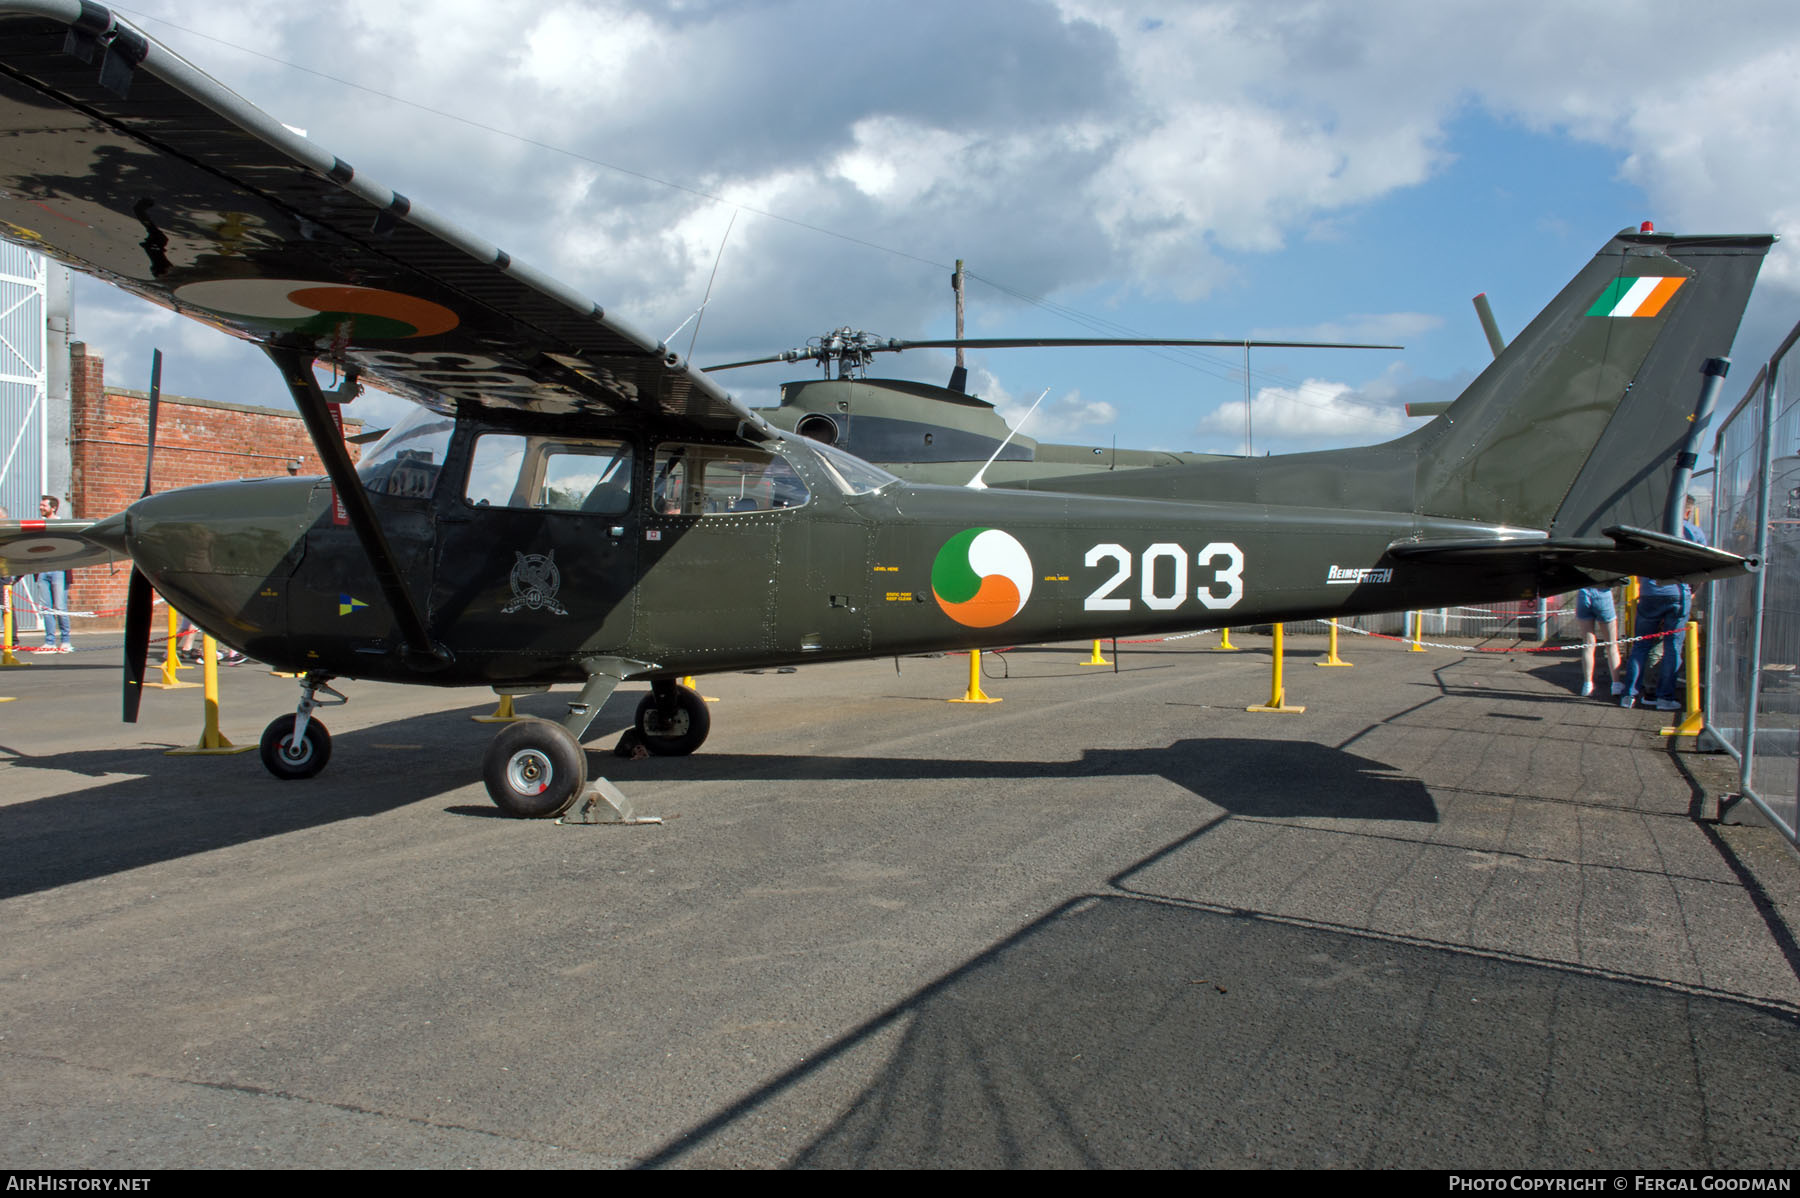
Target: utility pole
(959,378)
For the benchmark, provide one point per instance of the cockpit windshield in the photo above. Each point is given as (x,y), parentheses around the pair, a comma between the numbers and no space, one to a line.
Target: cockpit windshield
(406,462)
(853,475)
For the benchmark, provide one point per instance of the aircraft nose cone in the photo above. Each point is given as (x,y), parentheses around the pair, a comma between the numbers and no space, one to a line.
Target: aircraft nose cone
(223,553)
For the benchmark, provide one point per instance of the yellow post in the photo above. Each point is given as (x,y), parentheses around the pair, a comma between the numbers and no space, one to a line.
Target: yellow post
(1277,694)
(171,680)
(1096,659)
(1225,641)
(212,741)
(694,686)
(1692,722)
(6,636)
(1331,656)
(1629,627)
(1418,636)
(974,694)
(503,714)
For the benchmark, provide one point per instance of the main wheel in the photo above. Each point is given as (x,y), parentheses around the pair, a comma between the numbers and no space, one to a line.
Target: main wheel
(534,769)
(680,732)
(289,759)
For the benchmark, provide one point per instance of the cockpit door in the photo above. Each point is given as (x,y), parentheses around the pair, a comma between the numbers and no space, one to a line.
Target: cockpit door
(537,551)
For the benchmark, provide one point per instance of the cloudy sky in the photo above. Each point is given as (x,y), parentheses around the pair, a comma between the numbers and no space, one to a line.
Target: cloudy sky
(1106,167)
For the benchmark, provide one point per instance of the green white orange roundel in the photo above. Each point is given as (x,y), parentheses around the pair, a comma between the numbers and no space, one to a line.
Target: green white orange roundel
(981,577)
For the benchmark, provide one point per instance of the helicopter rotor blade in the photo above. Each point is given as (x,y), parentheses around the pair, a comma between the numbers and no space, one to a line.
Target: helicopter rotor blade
(786,355)
(872,345)
(1107,342)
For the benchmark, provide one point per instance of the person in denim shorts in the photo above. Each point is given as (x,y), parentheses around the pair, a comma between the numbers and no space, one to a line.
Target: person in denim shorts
(1594,614)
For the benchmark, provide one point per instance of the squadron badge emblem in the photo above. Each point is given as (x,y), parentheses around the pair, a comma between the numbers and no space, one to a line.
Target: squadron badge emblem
(535,580)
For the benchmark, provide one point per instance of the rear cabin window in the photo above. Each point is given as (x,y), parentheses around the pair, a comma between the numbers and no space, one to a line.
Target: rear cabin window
(721,480)
(553,474)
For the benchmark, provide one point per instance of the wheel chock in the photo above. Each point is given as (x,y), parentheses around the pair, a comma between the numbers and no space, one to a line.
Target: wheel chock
(603,803)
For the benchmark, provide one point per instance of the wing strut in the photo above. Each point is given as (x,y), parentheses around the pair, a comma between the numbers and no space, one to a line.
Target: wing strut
(422,653)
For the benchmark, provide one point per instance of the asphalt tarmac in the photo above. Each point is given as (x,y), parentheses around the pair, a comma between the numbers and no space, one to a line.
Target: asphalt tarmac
(1451,916)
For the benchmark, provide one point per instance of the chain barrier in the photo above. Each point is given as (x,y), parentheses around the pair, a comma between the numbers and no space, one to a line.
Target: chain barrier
(1562,648)
(1407,640)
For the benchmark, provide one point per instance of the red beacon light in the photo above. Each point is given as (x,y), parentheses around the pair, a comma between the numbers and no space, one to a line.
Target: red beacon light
(1647,227)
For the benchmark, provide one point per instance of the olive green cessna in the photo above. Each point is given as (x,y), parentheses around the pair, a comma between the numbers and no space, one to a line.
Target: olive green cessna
(574,504)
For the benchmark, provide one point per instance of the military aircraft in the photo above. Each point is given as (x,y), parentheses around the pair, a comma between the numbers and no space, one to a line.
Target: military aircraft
(573,504)
(925,433)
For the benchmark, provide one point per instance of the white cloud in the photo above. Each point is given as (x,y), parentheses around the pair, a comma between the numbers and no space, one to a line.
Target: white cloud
(1058,418)
(1133,146)
(1315,414)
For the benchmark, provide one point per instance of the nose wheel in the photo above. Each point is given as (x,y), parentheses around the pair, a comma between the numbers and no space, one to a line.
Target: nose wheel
(297,746)
(291,756)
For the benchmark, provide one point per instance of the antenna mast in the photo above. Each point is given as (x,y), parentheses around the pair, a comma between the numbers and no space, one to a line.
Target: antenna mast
(959,378)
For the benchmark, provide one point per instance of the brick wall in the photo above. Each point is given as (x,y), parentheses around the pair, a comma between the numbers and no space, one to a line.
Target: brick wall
(197,441)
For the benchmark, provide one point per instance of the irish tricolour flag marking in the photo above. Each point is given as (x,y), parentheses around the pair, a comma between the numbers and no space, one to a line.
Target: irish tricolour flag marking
(1641,296)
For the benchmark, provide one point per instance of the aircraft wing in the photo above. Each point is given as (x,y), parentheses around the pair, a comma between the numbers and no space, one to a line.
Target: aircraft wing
(123,160)
(36,546)
(1625,551)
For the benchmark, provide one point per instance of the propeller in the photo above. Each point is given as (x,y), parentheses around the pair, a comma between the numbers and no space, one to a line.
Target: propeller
(139,596)
(138,599)
(853,348)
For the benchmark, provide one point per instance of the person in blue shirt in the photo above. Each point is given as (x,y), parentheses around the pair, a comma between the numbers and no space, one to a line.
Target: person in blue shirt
(1662,608)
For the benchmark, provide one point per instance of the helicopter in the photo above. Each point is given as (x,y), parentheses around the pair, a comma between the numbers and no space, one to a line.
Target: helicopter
(926,433)
(571,503)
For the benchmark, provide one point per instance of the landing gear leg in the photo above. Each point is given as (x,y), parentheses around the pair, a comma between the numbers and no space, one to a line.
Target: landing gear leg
(297,746)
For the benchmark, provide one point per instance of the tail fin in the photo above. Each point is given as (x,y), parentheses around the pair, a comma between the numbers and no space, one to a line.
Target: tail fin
(1572,429)
(1576,425)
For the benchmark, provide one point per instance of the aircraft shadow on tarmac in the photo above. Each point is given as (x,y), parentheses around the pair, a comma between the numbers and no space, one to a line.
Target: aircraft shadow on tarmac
(186,805)
(1275,779)
(1121,1032)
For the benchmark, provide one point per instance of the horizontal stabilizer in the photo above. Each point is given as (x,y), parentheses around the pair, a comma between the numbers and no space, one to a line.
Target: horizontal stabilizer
(1622,551)
(37,546)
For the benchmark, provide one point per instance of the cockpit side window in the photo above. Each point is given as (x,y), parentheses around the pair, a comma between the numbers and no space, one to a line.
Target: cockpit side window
(853,475)
(554,474)
(407,460)
(721,480)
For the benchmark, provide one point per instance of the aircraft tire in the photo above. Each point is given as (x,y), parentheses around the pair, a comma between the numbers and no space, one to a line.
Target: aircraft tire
(682,733)
(291,768)
(534,769)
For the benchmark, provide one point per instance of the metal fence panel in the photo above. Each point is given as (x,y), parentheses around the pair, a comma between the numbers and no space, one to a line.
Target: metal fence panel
(1776,751)
(1737,488)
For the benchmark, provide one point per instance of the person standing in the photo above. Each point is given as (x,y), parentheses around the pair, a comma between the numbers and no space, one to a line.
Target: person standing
(1595,613)
(52,589)
(1662,609)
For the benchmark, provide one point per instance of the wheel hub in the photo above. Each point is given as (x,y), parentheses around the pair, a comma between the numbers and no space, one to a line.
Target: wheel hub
(529,771)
